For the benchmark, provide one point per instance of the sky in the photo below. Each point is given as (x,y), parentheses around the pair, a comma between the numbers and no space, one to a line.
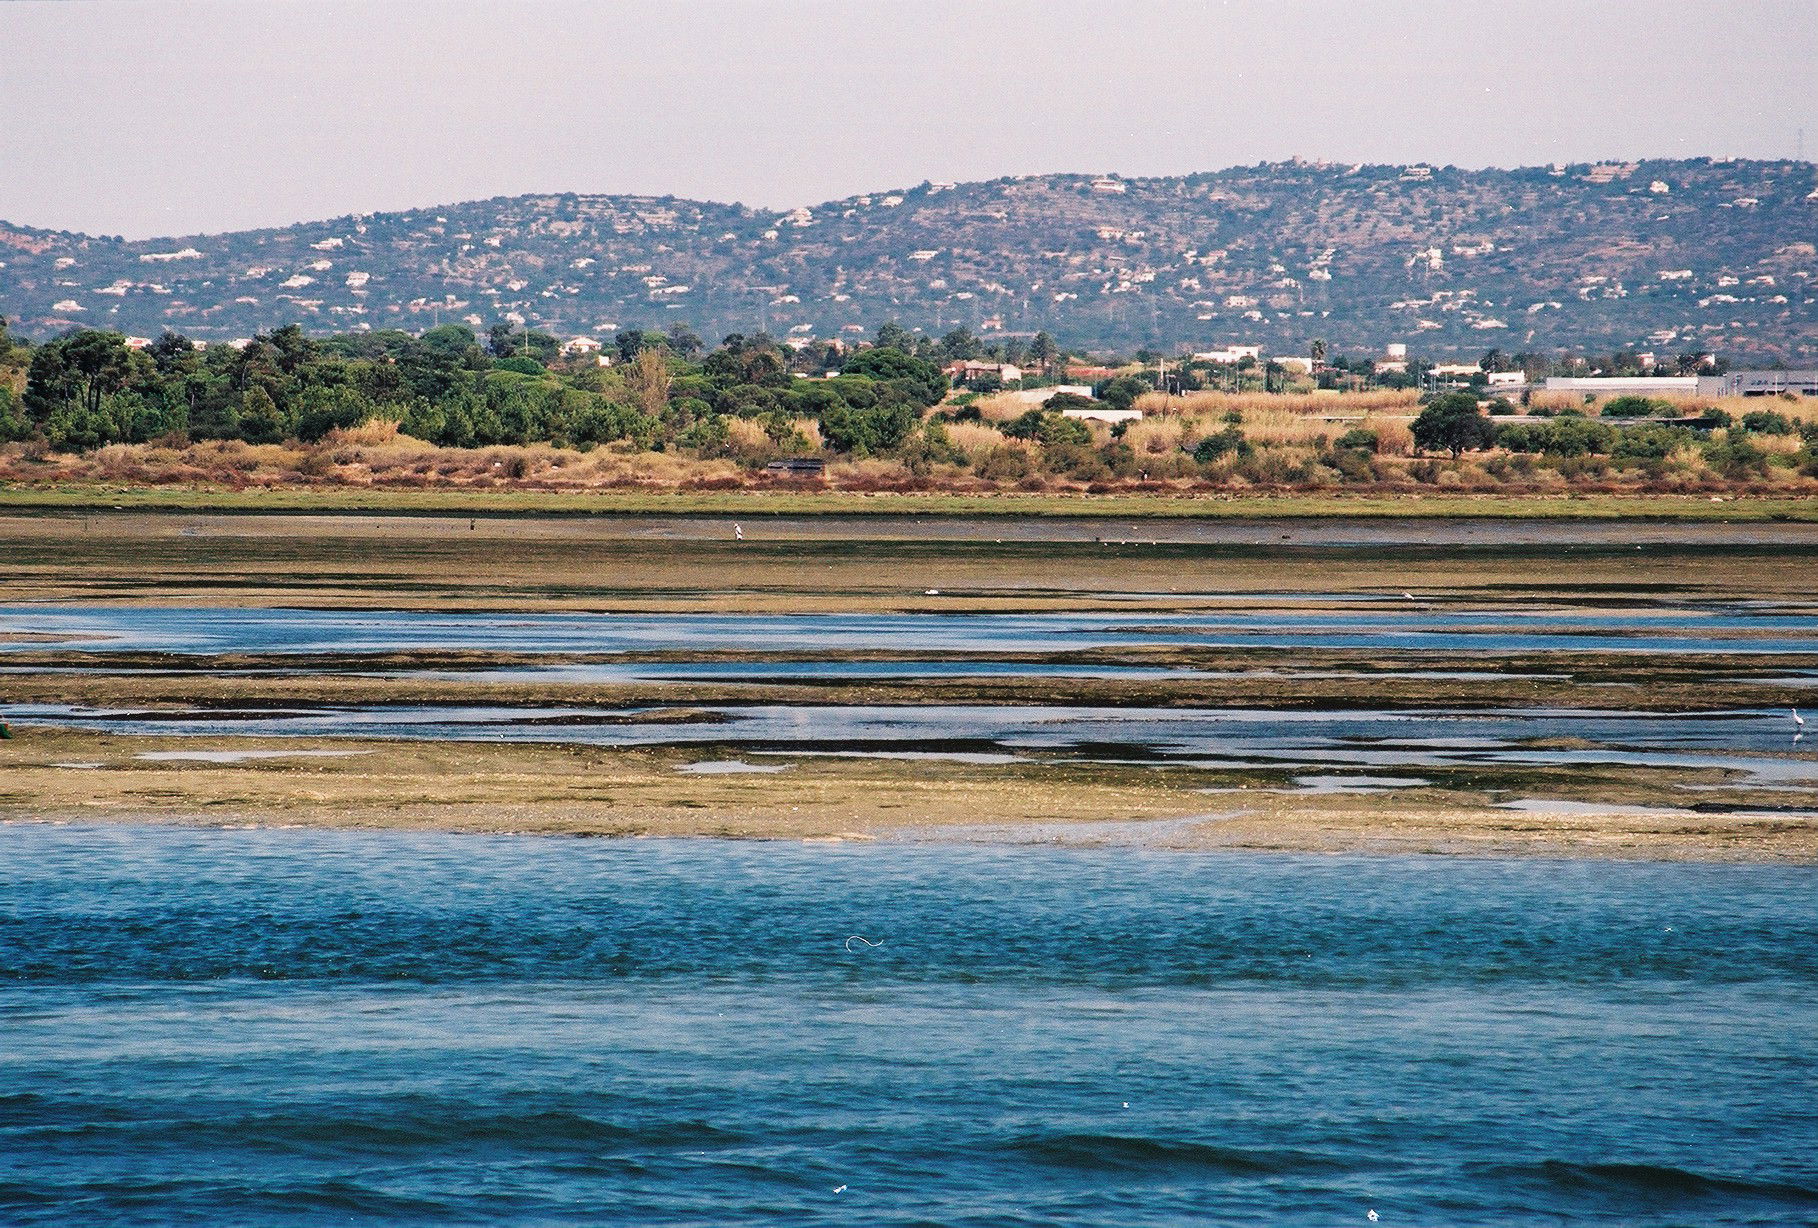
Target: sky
(146,118)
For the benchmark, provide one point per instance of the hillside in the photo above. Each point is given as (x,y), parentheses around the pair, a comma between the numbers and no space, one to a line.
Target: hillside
(1669,256)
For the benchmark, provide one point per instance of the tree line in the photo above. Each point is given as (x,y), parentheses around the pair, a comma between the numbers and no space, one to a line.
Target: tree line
(451,387)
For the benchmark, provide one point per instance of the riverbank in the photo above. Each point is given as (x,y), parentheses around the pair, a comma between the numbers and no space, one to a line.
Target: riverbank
(878,562)
(504,500)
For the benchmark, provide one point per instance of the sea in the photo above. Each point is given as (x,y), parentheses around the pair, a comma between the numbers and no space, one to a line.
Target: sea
(246,1026)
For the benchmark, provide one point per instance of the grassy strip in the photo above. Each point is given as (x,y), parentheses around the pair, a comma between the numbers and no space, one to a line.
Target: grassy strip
(756,503)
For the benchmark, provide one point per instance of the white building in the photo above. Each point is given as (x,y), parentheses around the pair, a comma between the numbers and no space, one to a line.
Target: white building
(971,369)
(1230,355)
(1611,385)
(1103,413)
(1040,396)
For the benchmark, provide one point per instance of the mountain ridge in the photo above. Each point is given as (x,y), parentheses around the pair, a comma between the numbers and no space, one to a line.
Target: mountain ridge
(1688,254)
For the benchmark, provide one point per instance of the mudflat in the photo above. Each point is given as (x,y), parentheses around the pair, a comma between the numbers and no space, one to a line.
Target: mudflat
(1474,687)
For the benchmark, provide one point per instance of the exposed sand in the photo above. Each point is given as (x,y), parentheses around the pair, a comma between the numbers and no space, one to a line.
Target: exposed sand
(590,791)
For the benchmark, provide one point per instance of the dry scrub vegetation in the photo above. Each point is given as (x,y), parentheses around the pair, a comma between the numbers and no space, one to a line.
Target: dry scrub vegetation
(1201,442)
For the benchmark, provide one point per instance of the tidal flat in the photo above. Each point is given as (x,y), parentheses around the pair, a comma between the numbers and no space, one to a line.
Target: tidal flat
(1494,687)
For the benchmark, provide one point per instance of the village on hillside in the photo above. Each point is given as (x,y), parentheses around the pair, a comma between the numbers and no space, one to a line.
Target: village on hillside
(1698,254)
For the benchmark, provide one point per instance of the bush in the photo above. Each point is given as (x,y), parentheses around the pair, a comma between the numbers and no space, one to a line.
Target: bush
(1629,407)
(1005,464)
(1767,422)
(1121,393)
(1352,464)
(1649,442)
(1560,437)
(1229,441)
(1736,459)
(1359,439)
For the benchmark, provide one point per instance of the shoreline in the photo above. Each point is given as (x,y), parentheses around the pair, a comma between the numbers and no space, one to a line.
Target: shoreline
(757,503)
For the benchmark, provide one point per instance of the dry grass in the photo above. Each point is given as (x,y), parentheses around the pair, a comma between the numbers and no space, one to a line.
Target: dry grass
(1274,428)
(1333,404)
(975,439)
(373,433)
(747,439)
(809,430)
(1001,407)
(1393,438)
(1156,436)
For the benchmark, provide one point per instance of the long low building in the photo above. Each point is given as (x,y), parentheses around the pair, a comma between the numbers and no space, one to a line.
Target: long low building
(1759,384)
(1618,385)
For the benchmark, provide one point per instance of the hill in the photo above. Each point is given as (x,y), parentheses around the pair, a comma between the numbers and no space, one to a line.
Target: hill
(1666,255)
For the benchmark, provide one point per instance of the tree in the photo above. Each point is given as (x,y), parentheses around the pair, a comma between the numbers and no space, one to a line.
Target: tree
(450,341)
(748,360)
(648,377)
(892,336)
(71,381)
(918,377)
(867,431)
(1454,424)
(1043,352)
(961,344)
(684,342)
(1121,393)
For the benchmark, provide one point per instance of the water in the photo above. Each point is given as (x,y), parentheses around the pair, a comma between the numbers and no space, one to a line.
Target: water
(1757,746)
(1390,627)
(283,1027)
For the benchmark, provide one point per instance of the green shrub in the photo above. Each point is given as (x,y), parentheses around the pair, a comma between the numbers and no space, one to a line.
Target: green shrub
(1736,459)
(1629,407)
(1767,422)
(1229,441)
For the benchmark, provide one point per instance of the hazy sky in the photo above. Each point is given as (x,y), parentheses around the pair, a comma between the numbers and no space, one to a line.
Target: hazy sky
(151,117)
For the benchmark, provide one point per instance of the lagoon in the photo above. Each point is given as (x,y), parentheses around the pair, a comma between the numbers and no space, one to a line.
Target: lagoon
(263,1027)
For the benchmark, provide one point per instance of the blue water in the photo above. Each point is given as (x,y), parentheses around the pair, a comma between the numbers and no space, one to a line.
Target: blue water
(1724,628)
(1757,745)
(296,1027)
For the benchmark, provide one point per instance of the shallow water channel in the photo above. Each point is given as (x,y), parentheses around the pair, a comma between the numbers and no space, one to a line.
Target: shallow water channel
(1306,748)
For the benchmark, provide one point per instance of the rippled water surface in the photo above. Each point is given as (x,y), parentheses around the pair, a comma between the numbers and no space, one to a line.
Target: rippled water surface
(264,1027)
